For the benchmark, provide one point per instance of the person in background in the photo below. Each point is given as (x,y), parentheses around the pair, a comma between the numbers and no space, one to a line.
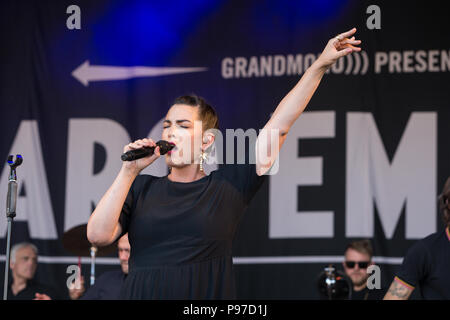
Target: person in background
(358,257)
(108,285)
(427,262)
(23,265)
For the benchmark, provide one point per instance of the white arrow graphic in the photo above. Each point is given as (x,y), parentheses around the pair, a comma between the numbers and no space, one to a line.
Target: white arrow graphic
(86,73)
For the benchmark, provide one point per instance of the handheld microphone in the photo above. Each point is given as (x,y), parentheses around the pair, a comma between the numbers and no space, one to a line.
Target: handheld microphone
(132,155)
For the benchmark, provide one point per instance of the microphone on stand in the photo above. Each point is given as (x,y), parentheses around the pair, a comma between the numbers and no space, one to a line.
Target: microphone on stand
(132,155)
(10,213)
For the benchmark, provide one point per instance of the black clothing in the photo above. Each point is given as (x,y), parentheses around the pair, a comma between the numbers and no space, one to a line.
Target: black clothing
(181,233)
(106,287)
(427,264)
(366,294)
(29,292)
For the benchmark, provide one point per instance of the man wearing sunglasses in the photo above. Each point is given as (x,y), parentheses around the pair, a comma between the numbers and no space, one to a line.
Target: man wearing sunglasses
(427,262)
(358,257)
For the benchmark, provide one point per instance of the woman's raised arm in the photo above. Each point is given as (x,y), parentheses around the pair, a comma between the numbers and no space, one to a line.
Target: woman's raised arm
(293,104)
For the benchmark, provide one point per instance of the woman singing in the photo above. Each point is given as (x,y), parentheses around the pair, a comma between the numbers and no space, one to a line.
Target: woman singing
(181,226)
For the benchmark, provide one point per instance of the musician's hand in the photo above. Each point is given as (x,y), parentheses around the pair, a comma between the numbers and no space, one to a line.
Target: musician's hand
(339,46)
(76,290)
(136,166)
(42,296)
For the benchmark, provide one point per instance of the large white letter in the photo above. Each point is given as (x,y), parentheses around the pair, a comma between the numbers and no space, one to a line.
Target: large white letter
(284,220)
(35,207)
(411,177)
(83,187)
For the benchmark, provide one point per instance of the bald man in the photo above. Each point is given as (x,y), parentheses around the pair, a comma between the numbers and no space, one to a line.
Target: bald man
(108,285)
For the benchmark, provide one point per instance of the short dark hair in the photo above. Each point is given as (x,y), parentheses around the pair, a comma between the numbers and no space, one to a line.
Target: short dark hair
(362,246)
(206,113)
(444,199)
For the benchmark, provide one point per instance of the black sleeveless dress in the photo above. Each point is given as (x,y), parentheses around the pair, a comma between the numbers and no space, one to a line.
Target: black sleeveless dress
(181,233)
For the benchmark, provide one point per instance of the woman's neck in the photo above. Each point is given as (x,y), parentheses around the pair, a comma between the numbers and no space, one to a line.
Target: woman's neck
(186,174)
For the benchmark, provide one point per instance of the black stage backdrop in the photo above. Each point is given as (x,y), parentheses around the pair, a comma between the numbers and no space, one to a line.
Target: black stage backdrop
(367,159)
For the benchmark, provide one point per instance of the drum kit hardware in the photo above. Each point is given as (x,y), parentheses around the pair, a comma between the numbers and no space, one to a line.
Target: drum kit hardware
(76,242)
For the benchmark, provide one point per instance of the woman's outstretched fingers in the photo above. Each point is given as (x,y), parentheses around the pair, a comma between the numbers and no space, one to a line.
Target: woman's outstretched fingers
(351,40)
(344,52)
(347,34)
(355,48)
(355,42)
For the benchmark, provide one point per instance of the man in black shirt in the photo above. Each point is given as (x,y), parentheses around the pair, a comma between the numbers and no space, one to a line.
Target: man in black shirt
(108,285)
(23,265)
(358,257)
(427,262)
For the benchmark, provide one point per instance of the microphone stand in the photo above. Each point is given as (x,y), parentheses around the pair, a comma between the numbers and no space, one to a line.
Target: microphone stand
(10,212)
(330,281)
(93,253)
